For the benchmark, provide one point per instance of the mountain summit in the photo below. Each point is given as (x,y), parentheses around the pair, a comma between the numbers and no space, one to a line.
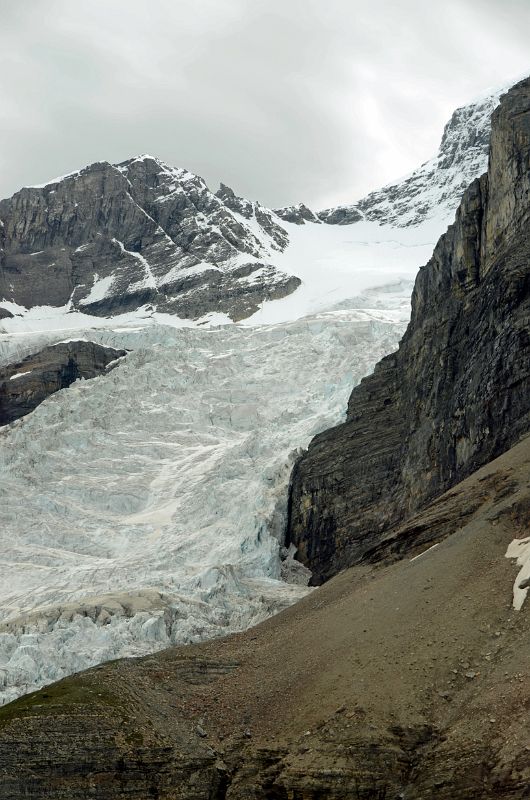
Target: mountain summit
(111,238)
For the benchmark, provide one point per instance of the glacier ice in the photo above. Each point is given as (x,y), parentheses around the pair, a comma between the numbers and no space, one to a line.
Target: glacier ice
(145,507)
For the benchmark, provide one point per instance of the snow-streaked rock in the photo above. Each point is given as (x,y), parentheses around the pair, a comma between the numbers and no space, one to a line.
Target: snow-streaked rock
(112,238)
(432,191)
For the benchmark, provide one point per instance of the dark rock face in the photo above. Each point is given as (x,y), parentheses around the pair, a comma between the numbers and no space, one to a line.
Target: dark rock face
(23,386)
(455,394)
(241,291)
(298,214)
(341,215)
(235,203)
(254,210)
(114,237)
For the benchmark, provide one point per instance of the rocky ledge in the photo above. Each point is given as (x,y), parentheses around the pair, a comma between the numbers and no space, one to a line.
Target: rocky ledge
(24,385)
(456,393)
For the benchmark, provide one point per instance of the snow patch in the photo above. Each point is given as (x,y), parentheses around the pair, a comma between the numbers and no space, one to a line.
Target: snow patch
(519,549)
(53,181)
(149,279)
(100,289)
(19,375)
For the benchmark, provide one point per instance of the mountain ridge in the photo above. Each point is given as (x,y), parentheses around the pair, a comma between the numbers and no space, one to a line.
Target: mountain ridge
(111,238)
(129,234)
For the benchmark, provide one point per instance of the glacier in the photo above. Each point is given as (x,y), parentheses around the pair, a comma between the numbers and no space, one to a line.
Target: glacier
(146,507)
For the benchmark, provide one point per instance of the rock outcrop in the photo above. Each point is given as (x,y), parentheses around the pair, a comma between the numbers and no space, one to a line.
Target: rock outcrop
(298,214)
(24,385)
(456,393)
(341,215)
(111,238)
(406,681)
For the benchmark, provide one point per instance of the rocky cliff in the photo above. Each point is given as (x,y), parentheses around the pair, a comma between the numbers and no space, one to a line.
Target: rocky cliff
(111,238)
(457,391)
(25,384)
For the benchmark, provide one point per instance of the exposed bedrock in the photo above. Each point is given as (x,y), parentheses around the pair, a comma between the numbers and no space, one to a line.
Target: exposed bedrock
(456,393)
(24,385)
(298,214)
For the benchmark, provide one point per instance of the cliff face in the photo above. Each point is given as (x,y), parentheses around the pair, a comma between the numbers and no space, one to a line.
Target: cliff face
(457,391)
(24,385)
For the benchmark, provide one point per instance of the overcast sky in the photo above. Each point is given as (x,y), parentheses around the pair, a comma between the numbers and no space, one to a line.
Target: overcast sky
(284,100)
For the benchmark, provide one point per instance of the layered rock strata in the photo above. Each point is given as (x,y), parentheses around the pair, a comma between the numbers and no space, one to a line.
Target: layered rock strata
(24,385)
(112,238)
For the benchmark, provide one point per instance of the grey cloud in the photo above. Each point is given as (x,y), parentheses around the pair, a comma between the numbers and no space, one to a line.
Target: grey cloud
(285,101)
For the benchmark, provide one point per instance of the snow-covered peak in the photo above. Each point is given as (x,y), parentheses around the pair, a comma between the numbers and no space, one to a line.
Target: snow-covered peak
(136,233)
(52,182)
(142,232)
(434,190)
(156,166)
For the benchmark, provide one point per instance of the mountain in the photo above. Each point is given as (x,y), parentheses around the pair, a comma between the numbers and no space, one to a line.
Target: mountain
(112,239)
(156,495)
(434,189)
(404,676)
(457,391)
